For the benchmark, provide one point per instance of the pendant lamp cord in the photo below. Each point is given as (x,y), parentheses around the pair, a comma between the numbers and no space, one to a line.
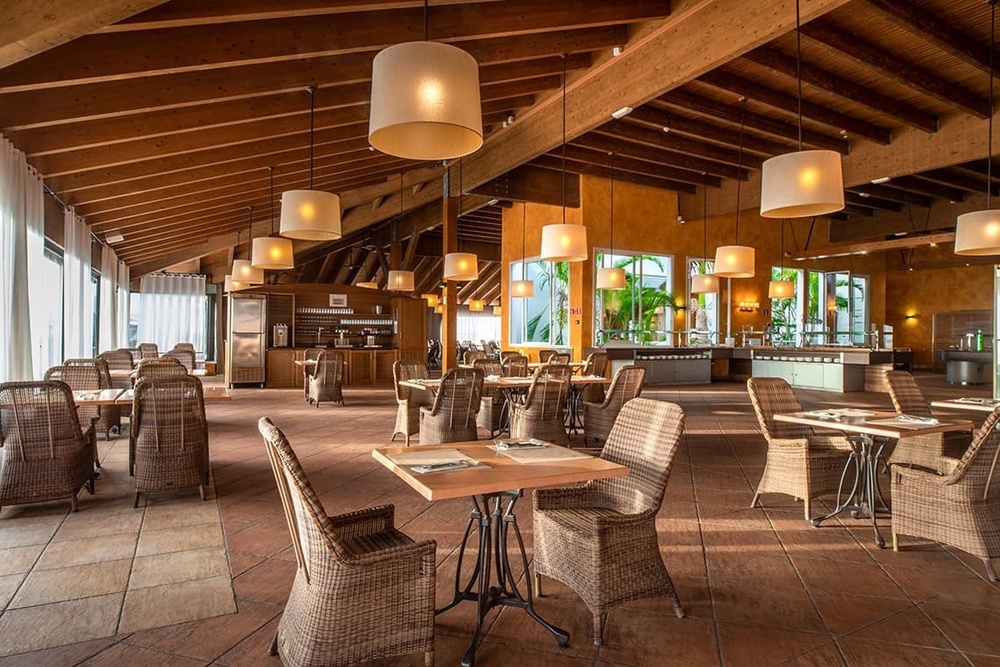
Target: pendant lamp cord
(312,130)
(612,207)
(989,148)
(704,211)
(426,31)
(524,232)
(739,171)
(782,275)
(564,138)
(249,231)
(271,210)
(798,65)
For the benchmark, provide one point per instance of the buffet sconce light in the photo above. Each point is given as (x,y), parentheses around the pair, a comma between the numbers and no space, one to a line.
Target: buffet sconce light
(748,306)
(911,316)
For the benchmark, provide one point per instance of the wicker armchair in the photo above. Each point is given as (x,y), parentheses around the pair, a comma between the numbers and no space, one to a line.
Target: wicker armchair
(149,351)
(409,401)
(542,415)
(185,346)
(558,358)
(515,366)
(507,354)
(600,539)
(362,588)
(109,417)
(452,416)
(799,463)
(162,367)
(169,439)
(81,378)
(118,360)
(470,356)
(327,383)
(544,355)
(44,453)
(598,418)
(185,356)
(960,509)
(309,369)
(596,364)
(492,406)
(925,451)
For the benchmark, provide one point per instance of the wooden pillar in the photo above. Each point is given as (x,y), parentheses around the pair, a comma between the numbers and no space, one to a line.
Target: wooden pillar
(449,318)
(396,256)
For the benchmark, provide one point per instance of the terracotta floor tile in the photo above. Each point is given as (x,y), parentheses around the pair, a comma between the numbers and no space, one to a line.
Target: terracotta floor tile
(751,645)
(176,603)
(628,640)
(179,513)
(844,613)
(977,660)
(824,574)
(121,654)
(259,540)
(59,656)
(58,624)
(827,655)
(861,653)
(765,604)
(18,560)
(910,626)
(16,532)
(9,584)
(269,582)
(72,583)
(971,629)
(83,551)
(252,651)
(177,566)
(200,536)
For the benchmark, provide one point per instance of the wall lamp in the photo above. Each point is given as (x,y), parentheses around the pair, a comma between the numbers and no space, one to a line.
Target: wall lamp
(748,306)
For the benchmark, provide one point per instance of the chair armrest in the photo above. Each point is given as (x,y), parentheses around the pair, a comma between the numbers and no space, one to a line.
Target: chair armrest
(423,554)
(364,522)
(948,464)
(559,498)
(788,443)
(824,441)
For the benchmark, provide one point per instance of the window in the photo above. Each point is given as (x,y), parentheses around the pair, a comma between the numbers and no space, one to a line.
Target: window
(543,318)
(787,315)
(477,327)
(703,309)
(47,312)
(837,308)
(95,288)
(643,311)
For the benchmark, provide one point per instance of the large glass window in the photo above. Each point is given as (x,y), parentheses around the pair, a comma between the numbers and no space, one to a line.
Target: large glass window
(787,315)
(543,318)
(837,311)
(703,309)
(643,311)
(47,312)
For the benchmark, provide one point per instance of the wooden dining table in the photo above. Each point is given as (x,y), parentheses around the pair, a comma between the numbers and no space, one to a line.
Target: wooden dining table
(211,394)
(974,404)
(494,479)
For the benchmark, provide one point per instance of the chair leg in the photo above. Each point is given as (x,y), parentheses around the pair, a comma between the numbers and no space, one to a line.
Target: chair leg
(136,503)
(201,491)
(895,545)
(73,505)
(756,497)
(538,585)
(806,507)
(990,572)
(429,658)
(273,648)
(599,621)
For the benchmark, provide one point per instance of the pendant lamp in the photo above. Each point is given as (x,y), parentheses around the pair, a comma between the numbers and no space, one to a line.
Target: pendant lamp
(781,289)
(978,232)
(523,289)
(272,252)
(310,215)
(498,310)
(425,101)
(564,242)
(804,183)
(400,280)
(230,285)
(611,277)
(439,309)
(461,266)
(736,261)
(476,305)
(705,283)
(242,270)
(431,299)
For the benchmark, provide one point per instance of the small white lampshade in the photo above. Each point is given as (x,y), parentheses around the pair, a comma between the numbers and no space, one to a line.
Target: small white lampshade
(245,273)
(439,309)
(310,215)
(734,261)
(400,281)
(367,285)
(230,285)
(476,305)
(425,102)
(461,266)
(978,233)
(272,252)
(498,310)
(801,184)
(705,283)
(431,299)
(780,289)
(610,278)
(564,243)
(522,289)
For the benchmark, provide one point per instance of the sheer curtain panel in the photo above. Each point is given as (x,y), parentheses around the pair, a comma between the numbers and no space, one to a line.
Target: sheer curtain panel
(108,315)
(21,212)
(123,287)
(78,291)
(172,310)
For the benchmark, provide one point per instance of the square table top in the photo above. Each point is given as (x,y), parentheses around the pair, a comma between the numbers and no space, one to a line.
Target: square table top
(976,404)
(496,472)
(96,396)
(883,424)
(505,382)
(210,394)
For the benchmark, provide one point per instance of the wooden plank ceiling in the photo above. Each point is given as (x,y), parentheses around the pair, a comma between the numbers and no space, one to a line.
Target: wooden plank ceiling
(162,126)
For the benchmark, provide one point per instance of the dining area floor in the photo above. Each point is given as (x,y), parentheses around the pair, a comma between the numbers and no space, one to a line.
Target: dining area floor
(760,586)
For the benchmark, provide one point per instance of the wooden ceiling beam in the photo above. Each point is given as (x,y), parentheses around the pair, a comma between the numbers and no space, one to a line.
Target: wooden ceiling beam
(914,240)
(933,188)
(892,194)
(697,129)
(773,59)
(109,56)
(787,105)
(666,141)
(30,28)
(527,183)
(957,179)
(627,164)
(611,144)
(863,210)
(689,102)
(554,161)
(873,202)
(916,78)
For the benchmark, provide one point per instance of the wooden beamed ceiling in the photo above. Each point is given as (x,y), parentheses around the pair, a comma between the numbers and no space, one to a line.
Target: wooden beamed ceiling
(161,126)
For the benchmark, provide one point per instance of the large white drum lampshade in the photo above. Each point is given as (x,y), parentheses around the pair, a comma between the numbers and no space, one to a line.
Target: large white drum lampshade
(978,233)
(564,243)
(734,261)
(801,184)
(310,215)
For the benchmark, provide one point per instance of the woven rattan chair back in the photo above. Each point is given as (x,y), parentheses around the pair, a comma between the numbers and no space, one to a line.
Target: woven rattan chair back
(169,437)
(558,358)
(546,398)
(489,367)
(458,398)
(625,385)
(149,350)
(906,396)
(597,364)
(771,396)
(470,356)
(117,360)
(978,467)
(543,355)
(327,383)
(507,354)
(186,357)
(79,378)
(402,371)
(162,367)
(185,346)
(109,417)
(515,366)
(344,563)
(44,453)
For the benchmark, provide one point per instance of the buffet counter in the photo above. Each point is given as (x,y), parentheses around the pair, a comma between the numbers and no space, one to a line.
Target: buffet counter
(968,366)
(364,366)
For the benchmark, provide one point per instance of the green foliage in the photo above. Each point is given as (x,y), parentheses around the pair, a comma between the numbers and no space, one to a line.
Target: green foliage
(634,308)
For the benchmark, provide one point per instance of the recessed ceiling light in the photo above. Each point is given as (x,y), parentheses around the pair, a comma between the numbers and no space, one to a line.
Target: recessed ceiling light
(880,181)
(616,51)
(114,237)
(621,113)
(865,194)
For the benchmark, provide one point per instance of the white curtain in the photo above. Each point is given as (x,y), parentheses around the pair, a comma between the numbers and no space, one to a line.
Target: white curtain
(172,310)
(21,212)
(108,323)
(477,326)
(123,288)
(78,291)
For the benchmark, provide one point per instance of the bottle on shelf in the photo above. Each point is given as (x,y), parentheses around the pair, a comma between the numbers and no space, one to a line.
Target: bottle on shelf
(979,340)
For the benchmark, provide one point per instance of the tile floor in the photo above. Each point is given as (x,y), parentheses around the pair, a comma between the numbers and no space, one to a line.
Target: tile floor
(761,587)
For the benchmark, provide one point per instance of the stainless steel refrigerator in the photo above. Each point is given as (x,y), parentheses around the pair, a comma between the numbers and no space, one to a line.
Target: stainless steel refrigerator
(247,339)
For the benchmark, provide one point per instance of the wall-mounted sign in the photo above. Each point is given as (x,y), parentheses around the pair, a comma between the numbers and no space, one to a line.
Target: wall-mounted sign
(338,300)
(576,311)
